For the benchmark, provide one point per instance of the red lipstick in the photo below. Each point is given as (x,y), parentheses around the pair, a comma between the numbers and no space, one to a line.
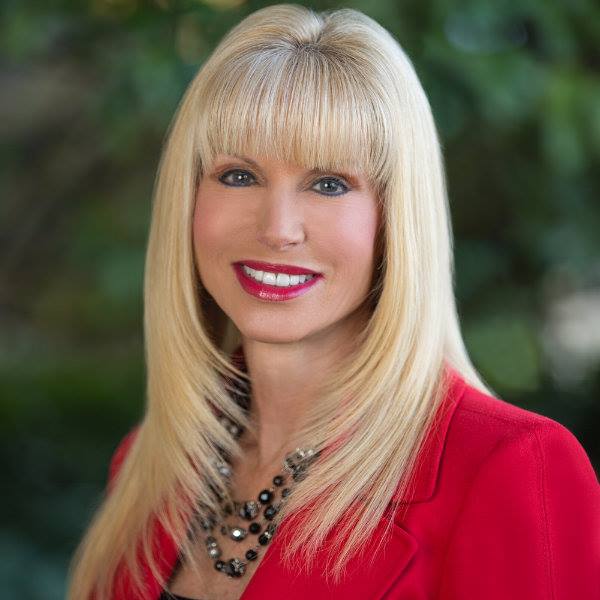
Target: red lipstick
(274,293)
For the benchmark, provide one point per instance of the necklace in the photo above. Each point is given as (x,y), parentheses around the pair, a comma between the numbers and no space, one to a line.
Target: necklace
(295,465)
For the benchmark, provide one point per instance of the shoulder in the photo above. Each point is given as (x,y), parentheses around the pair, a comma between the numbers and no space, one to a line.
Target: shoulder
(477,435)
(487,426)
(523,481)
(500,458)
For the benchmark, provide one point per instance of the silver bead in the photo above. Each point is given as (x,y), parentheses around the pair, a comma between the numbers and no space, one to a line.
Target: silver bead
(214,552)
(234,429)
(249,509)
(237,533)
(224,469)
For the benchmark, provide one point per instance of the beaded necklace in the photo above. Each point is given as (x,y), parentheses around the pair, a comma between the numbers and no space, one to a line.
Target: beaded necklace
(295,465)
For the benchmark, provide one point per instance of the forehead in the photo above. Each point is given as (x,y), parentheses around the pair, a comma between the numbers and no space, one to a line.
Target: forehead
(296,111)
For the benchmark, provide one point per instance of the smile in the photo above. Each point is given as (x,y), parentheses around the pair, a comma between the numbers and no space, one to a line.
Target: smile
(274,287)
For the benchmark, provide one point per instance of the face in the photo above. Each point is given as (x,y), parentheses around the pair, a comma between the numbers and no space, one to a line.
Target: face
(252,209)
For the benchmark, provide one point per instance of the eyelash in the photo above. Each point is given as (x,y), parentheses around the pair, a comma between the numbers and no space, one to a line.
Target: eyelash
(337,180)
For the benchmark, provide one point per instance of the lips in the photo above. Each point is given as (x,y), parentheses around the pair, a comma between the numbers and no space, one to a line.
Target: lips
(277,268)
(273,293)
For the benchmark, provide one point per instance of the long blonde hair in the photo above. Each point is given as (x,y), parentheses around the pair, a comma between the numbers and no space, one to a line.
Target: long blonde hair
(332,90)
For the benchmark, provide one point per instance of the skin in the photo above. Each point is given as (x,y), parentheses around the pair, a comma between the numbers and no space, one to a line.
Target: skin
(279,212)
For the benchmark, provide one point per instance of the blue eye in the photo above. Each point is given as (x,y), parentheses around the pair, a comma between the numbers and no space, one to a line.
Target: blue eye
(240,177)
(333,183)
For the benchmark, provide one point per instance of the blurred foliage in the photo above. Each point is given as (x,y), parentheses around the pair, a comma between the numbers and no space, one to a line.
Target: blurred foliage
(88,89)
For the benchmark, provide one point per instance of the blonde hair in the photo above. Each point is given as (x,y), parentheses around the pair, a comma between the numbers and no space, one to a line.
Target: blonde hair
(332,90)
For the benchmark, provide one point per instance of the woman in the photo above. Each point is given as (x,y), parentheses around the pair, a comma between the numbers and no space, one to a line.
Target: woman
(314,426)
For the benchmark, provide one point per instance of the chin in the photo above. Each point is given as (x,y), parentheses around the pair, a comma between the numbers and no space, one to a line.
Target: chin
(283,330)
(268,337)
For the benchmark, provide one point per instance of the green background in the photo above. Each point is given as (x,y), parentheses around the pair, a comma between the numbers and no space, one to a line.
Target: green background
(88,89)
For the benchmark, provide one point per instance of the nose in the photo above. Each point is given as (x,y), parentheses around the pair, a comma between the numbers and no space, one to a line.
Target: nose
(280,220)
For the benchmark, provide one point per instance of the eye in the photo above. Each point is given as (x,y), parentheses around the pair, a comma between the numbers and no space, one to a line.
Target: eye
(332,184)
(240,178)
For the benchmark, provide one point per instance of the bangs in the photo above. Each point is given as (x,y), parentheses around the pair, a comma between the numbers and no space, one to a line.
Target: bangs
(299,105)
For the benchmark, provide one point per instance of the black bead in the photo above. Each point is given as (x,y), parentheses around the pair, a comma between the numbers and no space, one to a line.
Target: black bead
(265,497)
(299,475)
(270,512)
(251,554)
(254,528)
(278,480)
(219,565)
(235,567)
(264,539)
(206,524)
(285,492)
(249,510)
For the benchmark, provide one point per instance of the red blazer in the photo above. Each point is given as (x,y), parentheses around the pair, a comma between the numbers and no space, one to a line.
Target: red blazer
(506,507)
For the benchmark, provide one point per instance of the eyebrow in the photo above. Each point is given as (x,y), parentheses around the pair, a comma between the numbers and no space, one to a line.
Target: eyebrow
(248,160)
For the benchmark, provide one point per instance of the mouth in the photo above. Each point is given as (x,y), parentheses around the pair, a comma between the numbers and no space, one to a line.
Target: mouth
(273,285)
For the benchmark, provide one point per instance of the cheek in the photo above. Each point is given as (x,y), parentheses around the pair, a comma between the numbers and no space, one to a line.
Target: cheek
(352,237)
(211,225)
(204,229)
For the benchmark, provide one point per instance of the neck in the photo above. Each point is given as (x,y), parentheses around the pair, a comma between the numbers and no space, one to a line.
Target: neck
(285,379)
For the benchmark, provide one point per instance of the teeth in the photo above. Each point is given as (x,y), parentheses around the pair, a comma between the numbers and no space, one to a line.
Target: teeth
(276,279)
